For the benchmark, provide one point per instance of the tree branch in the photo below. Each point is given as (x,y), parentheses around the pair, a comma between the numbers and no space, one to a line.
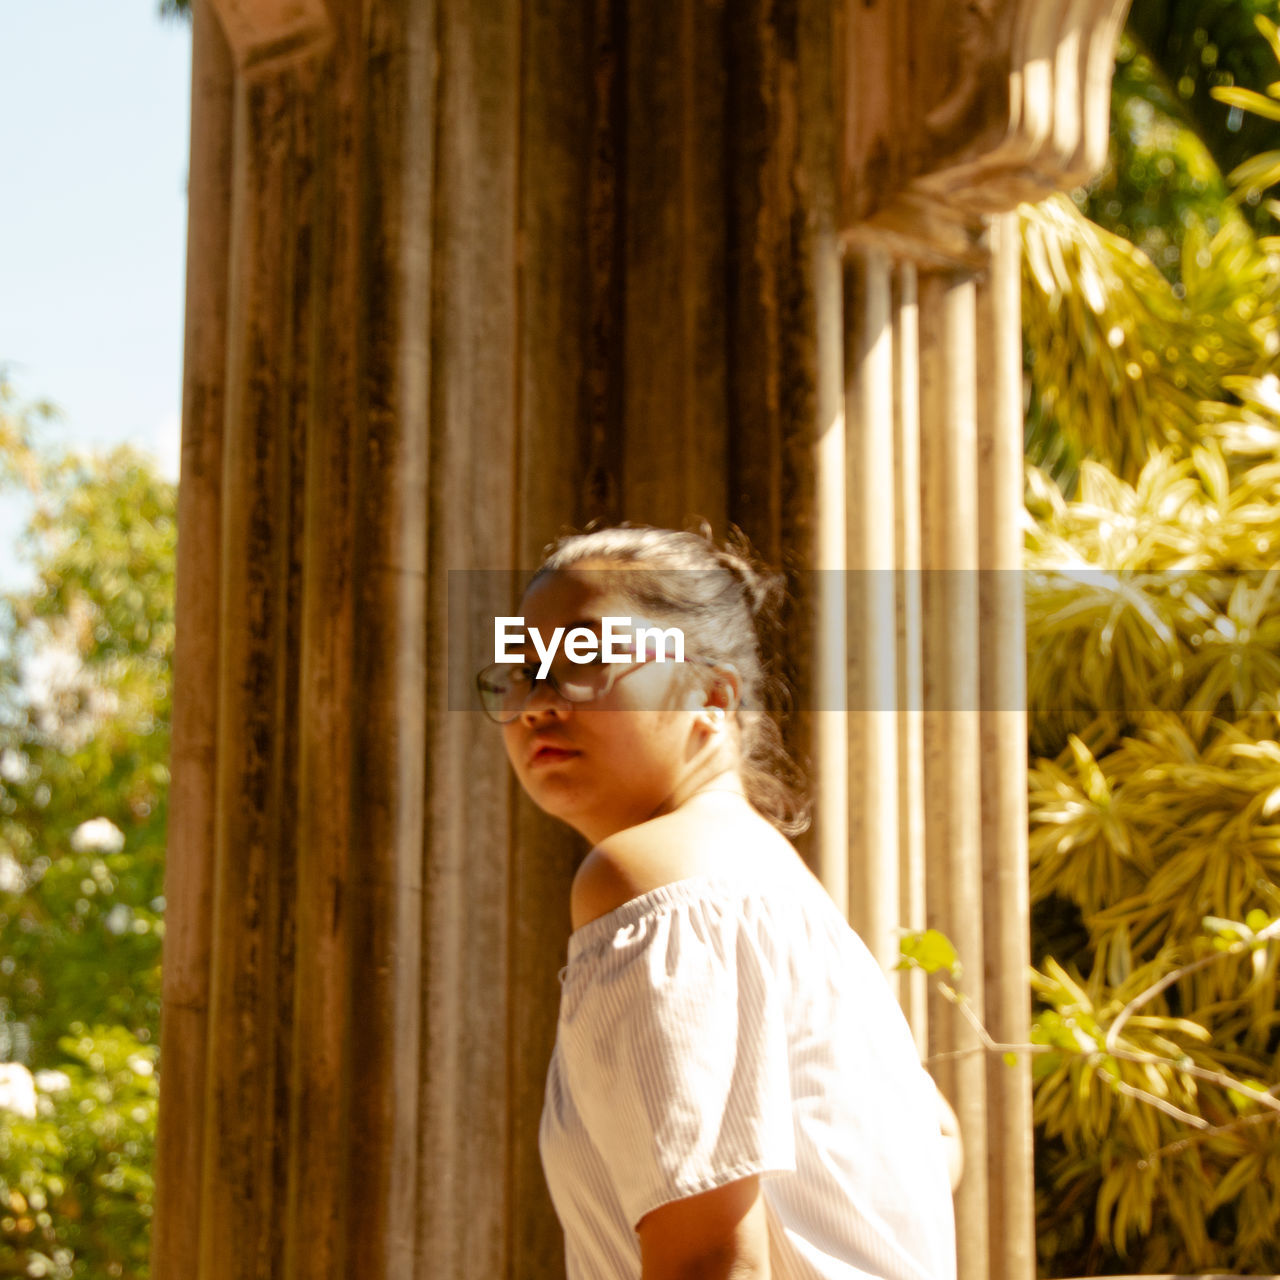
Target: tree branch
(1146,996)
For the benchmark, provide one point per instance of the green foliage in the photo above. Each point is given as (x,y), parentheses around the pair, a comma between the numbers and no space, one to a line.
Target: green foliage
(1153,632)
(1174,56)
(929,950)
(1255,174)
(1120,359)
(76,1188)
(84,713)
(84,746)
(1153,1153)
(1191,78)
(20,428)
(1153,599)
(1161,178)
(1168,586)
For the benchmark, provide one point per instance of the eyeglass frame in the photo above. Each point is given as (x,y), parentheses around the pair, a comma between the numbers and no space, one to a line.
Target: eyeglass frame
(616,671)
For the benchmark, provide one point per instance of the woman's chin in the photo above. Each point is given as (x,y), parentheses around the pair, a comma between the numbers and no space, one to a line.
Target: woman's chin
(587,803)
(557,796)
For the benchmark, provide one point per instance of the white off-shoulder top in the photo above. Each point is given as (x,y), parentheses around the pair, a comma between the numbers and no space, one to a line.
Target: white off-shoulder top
(710,1030)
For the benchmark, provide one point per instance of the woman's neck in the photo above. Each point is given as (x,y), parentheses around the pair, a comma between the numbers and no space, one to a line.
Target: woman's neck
(716,780)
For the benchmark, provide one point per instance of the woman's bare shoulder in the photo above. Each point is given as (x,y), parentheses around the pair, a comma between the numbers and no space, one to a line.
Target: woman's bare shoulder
(674,846)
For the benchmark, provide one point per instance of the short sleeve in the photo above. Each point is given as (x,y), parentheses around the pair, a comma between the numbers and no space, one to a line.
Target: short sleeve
(675,1049)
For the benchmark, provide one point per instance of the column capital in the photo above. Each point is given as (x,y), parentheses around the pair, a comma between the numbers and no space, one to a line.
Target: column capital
(978,106)
(271,31)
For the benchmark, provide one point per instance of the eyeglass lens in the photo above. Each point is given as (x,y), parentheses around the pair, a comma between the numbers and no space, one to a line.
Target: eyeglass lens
(505,689)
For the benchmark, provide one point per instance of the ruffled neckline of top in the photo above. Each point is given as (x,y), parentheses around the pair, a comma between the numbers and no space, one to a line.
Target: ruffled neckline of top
(720,891)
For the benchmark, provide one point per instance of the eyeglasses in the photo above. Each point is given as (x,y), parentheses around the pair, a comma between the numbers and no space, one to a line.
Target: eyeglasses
(506,687)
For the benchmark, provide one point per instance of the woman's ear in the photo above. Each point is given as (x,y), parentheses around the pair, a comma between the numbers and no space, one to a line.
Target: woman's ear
(724,693)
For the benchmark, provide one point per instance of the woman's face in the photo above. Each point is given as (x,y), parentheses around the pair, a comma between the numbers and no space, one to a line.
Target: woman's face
(611,763)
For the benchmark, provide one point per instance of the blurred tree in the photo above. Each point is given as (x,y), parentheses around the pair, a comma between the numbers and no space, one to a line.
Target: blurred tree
(1193,46)
(84,746)
(84,710)
(76,1177)
(1172,139)
(1257,174)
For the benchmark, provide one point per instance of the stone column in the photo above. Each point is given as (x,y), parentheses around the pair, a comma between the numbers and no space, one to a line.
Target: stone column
(462,276)
(968,111)
(193,808)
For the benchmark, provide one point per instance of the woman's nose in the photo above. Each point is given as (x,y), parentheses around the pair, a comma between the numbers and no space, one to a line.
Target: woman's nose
(544,700)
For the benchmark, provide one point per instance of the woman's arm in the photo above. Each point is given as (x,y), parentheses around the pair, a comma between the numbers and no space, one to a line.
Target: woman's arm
(718,1235)
(949,1123)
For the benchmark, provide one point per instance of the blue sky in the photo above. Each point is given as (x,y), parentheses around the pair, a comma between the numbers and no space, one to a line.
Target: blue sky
(94,110)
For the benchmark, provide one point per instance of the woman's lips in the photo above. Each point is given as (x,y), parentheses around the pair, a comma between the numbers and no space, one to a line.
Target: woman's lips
(548,753)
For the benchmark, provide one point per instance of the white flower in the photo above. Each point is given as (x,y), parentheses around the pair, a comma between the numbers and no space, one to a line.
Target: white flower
(11,878)
(13,767)
(17,1089)
(53,1081)
(98,835)
(118,919)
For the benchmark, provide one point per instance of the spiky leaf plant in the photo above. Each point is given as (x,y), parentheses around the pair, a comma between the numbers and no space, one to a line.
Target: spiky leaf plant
(1154,678)
(1259,172)
(1118,357)
(1153,601)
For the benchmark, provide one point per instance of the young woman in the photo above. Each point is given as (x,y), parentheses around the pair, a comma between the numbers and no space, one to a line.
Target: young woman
(734,1091)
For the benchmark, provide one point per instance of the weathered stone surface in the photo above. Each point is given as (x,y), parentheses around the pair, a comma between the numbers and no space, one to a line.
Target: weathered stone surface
(971,107)
(265,31)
